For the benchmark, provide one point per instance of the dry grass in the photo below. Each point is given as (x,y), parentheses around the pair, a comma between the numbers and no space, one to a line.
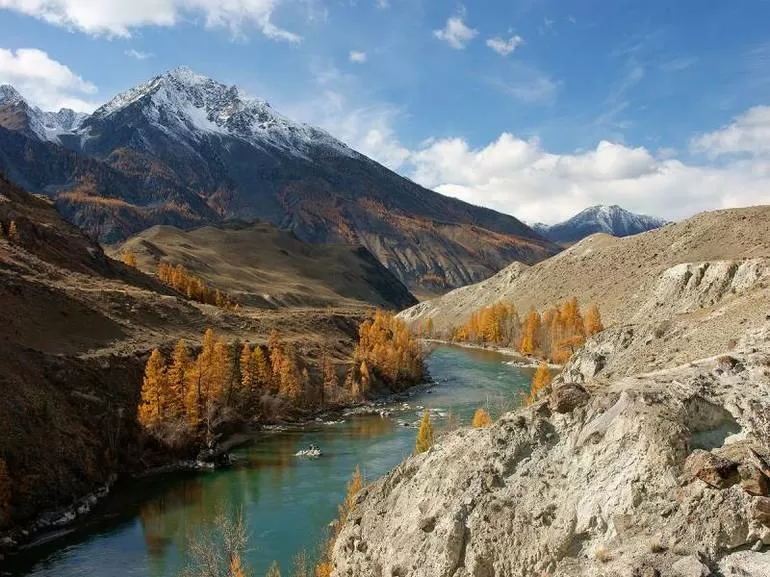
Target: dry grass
(602,554)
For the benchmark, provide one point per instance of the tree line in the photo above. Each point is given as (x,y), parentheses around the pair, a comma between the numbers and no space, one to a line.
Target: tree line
(193,287)
(554,335)
(194,394)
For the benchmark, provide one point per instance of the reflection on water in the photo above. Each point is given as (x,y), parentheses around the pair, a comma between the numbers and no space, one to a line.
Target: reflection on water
(141,531)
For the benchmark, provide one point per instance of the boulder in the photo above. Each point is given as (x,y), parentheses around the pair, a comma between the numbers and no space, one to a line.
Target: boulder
(760,510)
(690,566)
(753,481)
(713,470)
(567,398)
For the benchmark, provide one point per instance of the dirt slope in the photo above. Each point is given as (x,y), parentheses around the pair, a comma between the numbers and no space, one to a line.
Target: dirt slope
(265,267)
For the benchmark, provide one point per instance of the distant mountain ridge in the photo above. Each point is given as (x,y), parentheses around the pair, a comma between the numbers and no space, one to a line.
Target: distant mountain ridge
(185,150)
(612,220)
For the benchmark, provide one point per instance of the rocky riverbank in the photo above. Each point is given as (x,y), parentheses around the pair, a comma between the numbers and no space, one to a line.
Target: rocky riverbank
(662,473)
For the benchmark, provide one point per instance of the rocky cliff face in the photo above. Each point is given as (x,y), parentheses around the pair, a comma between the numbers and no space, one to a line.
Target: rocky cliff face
(649,456)
(653,474)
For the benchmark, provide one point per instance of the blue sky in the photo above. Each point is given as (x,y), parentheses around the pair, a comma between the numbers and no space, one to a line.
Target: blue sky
(536,107)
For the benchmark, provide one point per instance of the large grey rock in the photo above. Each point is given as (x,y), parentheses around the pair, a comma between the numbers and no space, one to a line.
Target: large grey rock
(577,494)
(690,566)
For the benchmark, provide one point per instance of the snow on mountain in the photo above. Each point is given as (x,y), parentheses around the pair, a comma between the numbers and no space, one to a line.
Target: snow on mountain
(612,220)
(190,106)
(47,126)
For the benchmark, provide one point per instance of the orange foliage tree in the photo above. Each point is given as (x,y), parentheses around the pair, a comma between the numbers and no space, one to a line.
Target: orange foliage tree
(193,287)
(541,380)
(128,258)
(554,335)
(388,352)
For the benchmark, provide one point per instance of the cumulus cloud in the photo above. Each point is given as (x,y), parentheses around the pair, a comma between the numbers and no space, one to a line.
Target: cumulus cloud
(519,177)
(44,81)
(456,33)
(357,57)
(119,17)
(505,47)
(748,134)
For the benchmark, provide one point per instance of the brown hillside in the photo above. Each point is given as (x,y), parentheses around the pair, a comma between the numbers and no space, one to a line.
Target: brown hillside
(259,265)
(76,328)
(711,271)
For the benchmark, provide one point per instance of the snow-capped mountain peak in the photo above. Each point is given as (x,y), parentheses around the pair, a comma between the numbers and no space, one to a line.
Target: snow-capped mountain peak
(45,125)
(191,106)
(609,219)
(9,95)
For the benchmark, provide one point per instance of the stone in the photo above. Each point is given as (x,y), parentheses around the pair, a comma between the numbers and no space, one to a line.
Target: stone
(760,510)
(713,470)
(567,398)
(690,566)
(753,481)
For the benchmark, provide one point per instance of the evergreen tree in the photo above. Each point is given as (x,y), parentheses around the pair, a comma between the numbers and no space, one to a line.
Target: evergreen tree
(152,409)
(481,419)
(2,230)
(425,436)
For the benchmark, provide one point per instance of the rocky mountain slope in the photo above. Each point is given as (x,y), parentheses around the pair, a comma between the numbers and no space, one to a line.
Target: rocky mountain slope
(77,327)
(183,149)
(705,261)
(612,220)
(283,271)
(649,456)
(654,474)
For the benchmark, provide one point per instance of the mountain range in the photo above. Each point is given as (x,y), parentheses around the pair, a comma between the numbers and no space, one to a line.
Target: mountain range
(612,220)
(185,150)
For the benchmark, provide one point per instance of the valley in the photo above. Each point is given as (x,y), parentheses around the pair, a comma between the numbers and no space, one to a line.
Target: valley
(384,289)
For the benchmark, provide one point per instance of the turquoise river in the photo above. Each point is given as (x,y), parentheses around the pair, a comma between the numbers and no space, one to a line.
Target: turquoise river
(141,530)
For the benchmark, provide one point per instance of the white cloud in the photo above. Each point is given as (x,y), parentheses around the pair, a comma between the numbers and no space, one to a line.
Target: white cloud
(119,17)
(138,54)
(519,177)
(505,47)
(44,81)
(357,57)
(456,33)
(537,89)
(748,134)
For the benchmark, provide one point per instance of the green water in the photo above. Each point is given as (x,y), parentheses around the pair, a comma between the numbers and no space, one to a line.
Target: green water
(141,530)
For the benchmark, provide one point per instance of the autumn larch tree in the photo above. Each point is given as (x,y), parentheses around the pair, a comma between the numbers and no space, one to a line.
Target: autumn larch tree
(13,232)
(128,258)
(178,375)
(540,381)
(425,438)
(530,334)
(274,570)
(593,321)
(152,409)
(481,419)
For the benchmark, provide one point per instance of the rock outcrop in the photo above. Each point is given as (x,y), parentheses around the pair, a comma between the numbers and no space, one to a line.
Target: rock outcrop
(642,479)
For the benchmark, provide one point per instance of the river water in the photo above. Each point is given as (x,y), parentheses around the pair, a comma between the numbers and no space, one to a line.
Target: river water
(142,529)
